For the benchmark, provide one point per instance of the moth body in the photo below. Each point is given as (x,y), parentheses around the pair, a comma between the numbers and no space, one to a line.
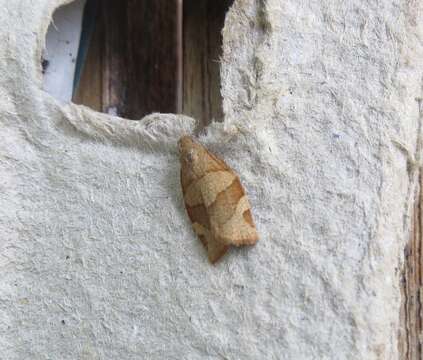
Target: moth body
(215,200)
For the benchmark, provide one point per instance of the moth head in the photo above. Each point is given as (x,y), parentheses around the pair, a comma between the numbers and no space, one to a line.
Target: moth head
(189,150)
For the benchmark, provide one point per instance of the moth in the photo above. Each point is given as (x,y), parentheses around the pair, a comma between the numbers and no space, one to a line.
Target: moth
(215,200)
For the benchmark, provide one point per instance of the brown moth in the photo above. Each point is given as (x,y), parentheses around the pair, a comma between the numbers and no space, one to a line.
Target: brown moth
(215,200)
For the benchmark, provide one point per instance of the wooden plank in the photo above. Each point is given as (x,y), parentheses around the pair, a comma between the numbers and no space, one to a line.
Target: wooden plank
(216,18)
(154,53)
(114,57)
(195,85)
(89,91)
(203,24)
(135,58)
(411,315)
(150,60)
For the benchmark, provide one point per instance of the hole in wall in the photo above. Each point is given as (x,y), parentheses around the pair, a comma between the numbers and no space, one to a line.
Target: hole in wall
(62,45)
(134,57)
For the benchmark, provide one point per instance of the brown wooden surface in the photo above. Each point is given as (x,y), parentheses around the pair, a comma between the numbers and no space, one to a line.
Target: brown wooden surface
(411,332)
(90,89)
(135,58)
(153,36)
(155,56)
(114,57)
(203,24)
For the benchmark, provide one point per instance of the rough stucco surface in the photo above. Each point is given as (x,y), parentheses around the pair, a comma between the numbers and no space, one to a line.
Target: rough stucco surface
(97,257)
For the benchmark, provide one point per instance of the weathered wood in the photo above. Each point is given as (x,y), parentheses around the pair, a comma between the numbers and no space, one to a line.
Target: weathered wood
(411,332)
(203,24)
(156,56)
(103,81)
(134,65)
(153,40)
(90,88)
(114,57)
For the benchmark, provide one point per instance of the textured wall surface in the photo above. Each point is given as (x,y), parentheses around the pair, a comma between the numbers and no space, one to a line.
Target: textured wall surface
(97,257)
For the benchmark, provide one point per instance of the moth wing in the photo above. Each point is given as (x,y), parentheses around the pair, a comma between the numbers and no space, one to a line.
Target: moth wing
(215,248)
(230,216)
(215,200)
(217,162)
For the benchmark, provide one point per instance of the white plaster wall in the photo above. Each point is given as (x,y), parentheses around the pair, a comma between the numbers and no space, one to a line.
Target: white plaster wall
(97,256)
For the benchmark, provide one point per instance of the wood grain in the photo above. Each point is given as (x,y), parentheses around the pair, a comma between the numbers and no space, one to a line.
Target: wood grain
(156,56)
(90,89)
(411,315)
(114,58)
(154,53)
(134,65)
(203,24)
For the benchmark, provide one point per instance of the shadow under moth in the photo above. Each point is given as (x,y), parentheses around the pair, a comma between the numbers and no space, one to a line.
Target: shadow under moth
(215,200)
